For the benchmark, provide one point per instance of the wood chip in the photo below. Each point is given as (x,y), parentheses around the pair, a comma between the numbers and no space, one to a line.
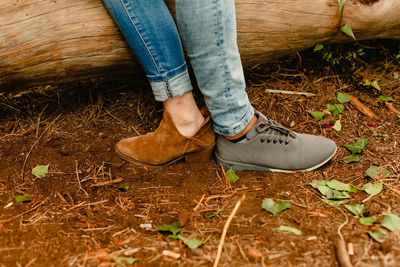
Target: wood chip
(363,108)
(392,109)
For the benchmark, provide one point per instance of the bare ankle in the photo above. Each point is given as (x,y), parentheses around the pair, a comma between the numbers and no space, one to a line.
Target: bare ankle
(246,129)
(184,113)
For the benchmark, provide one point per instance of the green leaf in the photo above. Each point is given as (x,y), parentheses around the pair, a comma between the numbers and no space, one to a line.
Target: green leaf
(356,209)
(379,235)
(358,146)
(23,198)
(336,109)
(40,171)
(124,187)
(318,47)
(316,183)
(353,189)
(275,208)
(173,228)
(347,30)
(122,261)
(368,220)
(192,243)
(374,170)
(331,202)
(337,126)
(324,189)
(283,228)
(398,117)
(212,215)
(343,98)
(375,85)
(373,189)
(318,115)
(385,173)
(380,135)
(335,194)
(341,5)
(335,184)
(391,222)
(385,98)
(232,177)
(351,158)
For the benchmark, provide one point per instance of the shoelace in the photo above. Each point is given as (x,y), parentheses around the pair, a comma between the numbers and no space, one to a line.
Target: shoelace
(274,131)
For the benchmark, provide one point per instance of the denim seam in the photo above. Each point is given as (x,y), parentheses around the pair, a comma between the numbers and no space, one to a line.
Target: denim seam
(165,75)
(224,59)
(130,15)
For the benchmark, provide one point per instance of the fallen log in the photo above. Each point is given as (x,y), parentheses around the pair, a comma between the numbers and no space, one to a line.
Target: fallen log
(46,42)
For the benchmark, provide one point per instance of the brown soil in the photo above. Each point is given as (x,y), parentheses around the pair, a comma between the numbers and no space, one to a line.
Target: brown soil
(74,128)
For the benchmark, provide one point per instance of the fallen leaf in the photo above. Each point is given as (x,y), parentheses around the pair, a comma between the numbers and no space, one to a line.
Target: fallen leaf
(374,170)
(122,261)
(283,228)
(343,98)
(212,215)
(379,235)
(192,243)
(335,109)
(391,222)
(373,188)
(385,98)
(275,208)
(356,209)
(358,146)
(335,184)
(337,126)
(124,187)
(40,171)
(334,203)
(232,176)
(23,198)
(351,158)
(368,220)
(173,228)
(317,115)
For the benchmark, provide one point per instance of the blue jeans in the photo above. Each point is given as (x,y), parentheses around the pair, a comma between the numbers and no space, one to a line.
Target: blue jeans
(208,32)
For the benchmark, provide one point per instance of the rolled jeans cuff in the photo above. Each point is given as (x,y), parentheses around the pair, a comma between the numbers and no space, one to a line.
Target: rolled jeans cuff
(177,85)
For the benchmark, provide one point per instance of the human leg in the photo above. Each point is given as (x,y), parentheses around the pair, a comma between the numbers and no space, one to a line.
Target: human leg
(208,31)
(151,33)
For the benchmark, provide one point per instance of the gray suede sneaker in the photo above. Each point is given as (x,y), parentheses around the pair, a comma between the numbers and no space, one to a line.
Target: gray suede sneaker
(269,146)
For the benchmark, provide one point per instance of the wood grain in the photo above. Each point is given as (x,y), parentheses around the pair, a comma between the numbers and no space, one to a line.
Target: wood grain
(46,42)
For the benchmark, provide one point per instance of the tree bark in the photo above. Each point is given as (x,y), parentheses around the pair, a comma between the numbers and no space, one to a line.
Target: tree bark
(45,42)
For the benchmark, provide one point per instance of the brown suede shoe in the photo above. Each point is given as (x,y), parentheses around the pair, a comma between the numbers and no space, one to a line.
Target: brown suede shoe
(166,145)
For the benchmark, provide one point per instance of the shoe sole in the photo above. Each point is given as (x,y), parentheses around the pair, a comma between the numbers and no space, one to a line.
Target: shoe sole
(195,157)
(238,166)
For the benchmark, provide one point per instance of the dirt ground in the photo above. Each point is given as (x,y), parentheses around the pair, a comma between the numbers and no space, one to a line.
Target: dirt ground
(78,216)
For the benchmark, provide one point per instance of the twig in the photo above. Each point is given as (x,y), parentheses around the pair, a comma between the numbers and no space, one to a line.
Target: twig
(340,244)
(341,252)
(226,226)
(343,224)
(84,204)
(110,182)
(19,215)
(34,144)
(77,178)
(199,203)
(272,91)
